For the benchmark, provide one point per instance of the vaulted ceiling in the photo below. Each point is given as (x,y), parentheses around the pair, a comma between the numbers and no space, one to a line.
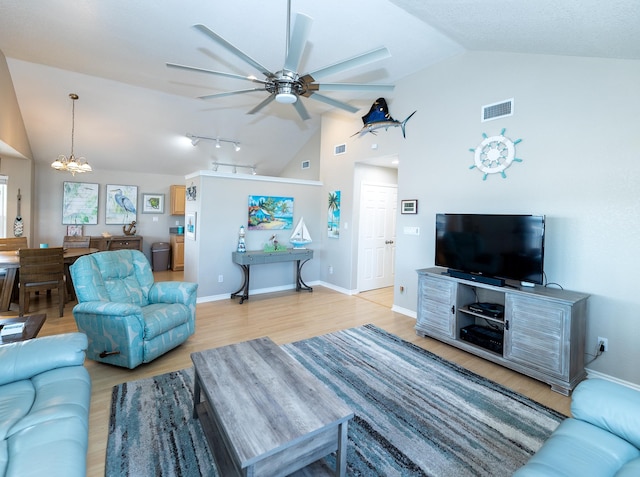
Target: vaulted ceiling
(133,111)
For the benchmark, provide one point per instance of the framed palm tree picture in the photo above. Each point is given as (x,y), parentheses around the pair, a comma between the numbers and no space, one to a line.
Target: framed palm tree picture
(333,216)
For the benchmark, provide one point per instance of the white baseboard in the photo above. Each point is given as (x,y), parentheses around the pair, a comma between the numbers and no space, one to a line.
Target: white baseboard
(597,374)
(333,287)
(405,311)
(259,291)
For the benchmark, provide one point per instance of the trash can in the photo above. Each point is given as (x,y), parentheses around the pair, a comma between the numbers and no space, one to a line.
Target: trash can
(160,256)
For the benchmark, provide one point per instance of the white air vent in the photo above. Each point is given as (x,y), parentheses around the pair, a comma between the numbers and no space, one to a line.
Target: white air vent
(497,110)
(339,149)
(306,164)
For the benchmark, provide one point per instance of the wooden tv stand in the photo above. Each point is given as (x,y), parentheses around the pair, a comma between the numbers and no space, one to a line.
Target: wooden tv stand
(544,328)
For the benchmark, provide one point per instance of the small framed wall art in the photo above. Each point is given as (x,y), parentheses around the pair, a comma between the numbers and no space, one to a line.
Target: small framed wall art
(409,206)
(74,230)
(152,203)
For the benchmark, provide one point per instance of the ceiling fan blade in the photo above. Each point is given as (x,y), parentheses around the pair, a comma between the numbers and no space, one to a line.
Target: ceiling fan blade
(351,87)
(262,104)
(302,111)
(333,102)
(218,73)
(230,93)
(359,60)
(299,35)
(229,47)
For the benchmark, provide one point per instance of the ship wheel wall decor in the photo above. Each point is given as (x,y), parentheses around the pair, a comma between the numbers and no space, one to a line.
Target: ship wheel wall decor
(495,154)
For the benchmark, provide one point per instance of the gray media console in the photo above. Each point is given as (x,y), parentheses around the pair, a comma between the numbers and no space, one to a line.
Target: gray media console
(542,330)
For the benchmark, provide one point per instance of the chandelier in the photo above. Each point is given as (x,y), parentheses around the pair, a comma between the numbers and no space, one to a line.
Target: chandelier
(72,164)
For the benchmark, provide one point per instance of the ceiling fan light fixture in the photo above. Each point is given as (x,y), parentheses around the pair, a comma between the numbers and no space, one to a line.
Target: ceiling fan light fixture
(218,146)
(286,98)
(237,146)
(71,164)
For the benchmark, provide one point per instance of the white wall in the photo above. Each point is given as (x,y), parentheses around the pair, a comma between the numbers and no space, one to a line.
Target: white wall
(222,207)
(309,152)
(16,160)
(578,120)
(48,205)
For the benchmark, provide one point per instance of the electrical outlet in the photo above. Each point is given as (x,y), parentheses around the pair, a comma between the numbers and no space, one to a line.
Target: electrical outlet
(330,270)
(220,278)
(605,343)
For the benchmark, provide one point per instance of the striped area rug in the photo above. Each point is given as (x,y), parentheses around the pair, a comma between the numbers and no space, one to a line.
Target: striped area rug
(415,414)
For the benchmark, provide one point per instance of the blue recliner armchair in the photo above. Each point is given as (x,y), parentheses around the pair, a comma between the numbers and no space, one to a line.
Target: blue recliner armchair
(128,318)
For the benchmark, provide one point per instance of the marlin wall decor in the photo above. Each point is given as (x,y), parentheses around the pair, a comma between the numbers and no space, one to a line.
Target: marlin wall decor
(378,117)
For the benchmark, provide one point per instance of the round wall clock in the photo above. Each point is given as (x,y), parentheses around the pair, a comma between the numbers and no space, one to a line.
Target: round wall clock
(495,154)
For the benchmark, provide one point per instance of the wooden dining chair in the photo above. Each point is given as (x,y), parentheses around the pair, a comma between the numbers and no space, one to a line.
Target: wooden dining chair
(41,269)
(76,242)
(13,243)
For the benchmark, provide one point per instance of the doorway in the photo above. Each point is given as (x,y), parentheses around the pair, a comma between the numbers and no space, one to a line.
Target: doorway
(377,236)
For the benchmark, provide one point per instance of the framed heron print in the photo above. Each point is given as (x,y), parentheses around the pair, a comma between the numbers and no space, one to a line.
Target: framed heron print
(121,204)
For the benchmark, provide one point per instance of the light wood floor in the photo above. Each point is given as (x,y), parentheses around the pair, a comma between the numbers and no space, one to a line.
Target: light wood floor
(284,317)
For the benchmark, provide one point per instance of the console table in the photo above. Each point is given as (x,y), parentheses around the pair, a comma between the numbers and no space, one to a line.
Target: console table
(116,242)
(246,259)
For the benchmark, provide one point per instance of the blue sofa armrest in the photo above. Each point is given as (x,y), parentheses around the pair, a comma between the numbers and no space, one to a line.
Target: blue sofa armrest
(173,292)
(25,359)
(609,406)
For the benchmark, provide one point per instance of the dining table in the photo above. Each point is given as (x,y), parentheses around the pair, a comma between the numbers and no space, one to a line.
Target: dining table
(10,261)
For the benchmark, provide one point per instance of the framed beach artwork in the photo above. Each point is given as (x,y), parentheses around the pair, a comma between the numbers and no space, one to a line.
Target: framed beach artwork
(270,213)
(190,226)
(152,203)
(333,216)
(79,203)
(121,204)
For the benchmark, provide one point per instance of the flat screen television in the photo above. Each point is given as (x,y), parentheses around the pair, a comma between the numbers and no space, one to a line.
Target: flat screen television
(495,246)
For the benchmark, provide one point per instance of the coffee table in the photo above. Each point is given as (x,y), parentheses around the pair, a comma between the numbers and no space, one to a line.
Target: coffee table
(32,326)
(263,413)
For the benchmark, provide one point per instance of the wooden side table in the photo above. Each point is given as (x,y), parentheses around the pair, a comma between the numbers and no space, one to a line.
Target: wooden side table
(32,326)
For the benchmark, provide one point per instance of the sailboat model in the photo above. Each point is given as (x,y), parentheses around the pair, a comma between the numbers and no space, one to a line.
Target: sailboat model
(300,236)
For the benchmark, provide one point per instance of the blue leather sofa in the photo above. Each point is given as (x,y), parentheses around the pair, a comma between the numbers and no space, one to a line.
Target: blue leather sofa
(602,438)
(129,319)
(44,407)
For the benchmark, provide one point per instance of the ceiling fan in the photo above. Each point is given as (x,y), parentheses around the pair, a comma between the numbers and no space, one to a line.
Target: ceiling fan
(287,85)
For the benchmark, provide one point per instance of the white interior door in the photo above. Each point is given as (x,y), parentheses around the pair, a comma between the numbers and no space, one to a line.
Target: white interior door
(377,239)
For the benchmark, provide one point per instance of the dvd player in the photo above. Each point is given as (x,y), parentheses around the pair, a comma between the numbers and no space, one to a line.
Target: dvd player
(483,336)
(494,310)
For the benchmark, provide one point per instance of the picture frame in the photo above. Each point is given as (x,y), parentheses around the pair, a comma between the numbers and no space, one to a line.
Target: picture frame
(152,203)
(74,230)
(333,215)
(80,203)
(191,192)
(121,204)
(190,226)
(409,206)
(267,212)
